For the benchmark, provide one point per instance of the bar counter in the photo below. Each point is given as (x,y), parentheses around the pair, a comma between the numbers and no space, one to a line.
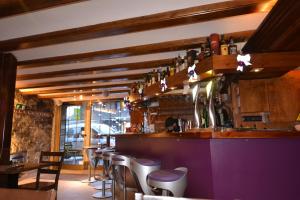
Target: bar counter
(256,164)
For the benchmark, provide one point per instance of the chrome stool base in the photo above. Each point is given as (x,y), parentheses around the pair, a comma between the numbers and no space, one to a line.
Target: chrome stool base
(90,180)
(99,187)
(101,195)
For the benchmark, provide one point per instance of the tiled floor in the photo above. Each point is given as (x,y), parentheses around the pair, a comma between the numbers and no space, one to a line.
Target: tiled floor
(71,187)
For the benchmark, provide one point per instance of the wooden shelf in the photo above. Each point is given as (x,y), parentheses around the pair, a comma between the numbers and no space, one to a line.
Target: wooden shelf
(273,64)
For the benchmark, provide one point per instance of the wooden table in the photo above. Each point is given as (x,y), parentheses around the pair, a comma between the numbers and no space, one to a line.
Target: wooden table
(9,174)
(22,194)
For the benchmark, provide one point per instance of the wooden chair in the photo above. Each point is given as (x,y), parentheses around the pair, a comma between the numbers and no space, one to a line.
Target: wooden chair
(55,159)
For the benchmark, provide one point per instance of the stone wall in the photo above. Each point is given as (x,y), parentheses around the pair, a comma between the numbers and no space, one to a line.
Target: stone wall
(32,126)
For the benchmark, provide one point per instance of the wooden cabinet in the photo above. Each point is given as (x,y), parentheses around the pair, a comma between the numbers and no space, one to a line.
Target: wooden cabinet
(253,96)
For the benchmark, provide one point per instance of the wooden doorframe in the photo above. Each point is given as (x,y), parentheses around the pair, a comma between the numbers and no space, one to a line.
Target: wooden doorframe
(56,131)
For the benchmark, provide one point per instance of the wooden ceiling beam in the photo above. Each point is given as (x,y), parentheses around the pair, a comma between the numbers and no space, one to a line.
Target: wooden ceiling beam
(174,45)
(76,82)
(138,65)
(86,93)
(14,7)
(143,23)
(33,92)
(279,31)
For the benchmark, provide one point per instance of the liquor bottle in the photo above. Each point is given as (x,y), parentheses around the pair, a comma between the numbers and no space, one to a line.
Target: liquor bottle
(153,79)
(172,70)
(224,46)
(185,63)
(164,74)
(232,47)
(148,79)
(214,44)
(207,51)
(201,55)
(158,74)
(168,71)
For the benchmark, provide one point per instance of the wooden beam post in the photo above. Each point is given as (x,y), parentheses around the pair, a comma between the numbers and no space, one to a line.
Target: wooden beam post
(8,70)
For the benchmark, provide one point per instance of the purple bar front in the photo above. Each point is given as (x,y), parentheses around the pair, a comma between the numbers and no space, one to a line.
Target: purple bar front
(226,168)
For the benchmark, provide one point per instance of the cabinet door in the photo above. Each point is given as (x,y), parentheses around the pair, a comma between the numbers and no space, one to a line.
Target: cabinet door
(253,96)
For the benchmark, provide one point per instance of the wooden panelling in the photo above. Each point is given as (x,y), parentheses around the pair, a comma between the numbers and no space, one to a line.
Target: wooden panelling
(124,52)
(284,99)
(8,70)
(277,96)
(149,22)
(72,72)
(253,96)
(13,7)
(279,31)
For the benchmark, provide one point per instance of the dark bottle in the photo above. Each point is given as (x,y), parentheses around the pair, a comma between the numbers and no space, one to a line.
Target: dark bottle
(168,72)
(207,51)
(232,48)
(224,46)
(215,43)
(163,75)
(201,55)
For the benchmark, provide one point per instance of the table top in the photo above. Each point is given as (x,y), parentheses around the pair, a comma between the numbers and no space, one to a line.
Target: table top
(15,169)
(21,194)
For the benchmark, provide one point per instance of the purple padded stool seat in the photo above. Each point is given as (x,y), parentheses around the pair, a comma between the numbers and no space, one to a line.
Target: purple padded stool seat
(141,168)
(173,181)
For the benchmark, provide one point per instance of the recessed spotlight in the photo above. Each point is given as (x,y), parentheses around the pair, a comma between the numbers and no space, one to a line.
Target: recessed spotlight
(172,88)
(256,70)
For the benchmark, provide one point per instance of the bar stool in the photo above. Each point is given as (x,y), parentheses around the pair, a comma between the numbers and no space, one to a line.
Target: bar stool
(105,175)
(174,181)
(90,151)
(141,168)
(122,174)
(99,155)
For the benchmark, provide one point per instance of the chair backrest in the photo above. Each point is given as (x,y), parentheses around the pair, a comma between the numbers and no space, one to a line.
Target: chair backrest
(55,160)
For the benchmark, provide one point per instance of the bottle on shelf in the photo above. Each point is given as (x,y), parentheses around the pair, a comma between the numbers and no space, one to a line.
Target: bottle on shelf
(224,46)
(164,73)
(207,51)
(201,55)
(158,71)
(168,72)
(148,80)
(178,62)
(153,77)
(185,63)
(191,57)
(214,44)
(172,70)
(232,48)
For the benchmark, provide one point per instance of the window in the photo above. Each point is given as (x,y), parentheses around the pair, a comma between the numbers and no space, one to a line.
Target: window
(108,119)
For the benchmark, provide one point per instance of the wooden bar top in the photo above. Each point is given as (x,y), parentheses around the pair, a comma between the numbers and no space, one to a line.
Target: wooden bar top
(210,134)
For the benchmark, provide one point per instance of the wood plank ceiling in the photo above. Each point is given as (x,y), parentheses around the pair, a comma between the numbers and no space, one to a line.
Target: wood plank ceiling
(82,50)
